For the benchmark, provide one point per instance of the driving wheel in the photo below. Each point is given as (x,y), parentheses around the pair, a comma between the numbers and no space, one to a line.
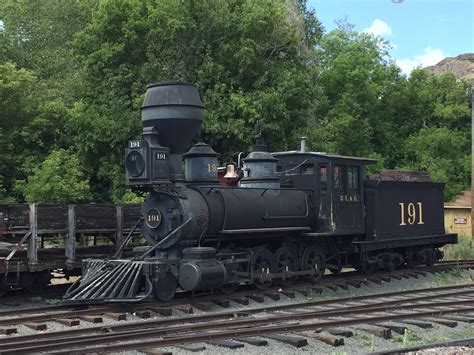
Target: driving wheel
(286,261)
(263,265)
(313,260)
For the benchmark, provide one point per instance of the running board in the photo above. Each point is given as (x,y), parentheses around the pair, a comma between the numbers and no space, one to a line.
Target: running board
(110,281)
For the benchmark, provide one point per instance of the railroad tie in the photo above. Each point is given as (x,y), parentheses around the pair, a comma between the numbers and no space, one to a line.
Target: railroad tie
(459,318)
(35,325)
(202,306)
(91,319)
(257,297)
(222,302)
(343,332)
(162,311)
(184,308)
(418,323)
(400,329)
(289,294)
(273,295)
(225,344)
(143,314)
(443,321)
(116,316)
(8,330)
(240,300)
(297,342)
(67,321)
(377,331)
(252,341)
(156,351)
(325,338)
(194,348)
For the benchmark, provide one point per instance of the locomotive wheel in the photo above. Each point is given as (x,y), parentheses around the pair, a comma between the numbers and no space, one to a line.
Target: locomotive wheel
(286,260)
(313,260)
(430,257)
(263,263)
(164,287)
(413,259)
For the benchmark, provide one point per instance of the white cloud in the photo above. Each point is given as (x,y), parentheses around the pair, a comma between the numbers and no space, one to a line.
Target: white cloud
(378,28)
(430,56)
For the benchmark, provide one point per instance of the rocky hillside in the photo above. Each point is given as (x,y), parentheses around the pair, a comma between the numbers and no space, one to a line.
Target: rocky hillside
(461,66)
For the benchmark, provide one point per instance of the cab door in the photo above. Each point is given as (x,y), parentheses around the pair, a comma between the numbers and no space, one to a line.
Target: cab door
(348,213)
(325,198)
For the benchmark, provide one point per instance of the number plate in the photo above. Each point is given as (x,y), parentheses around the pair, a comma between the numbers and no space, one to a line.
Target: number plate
(134,144)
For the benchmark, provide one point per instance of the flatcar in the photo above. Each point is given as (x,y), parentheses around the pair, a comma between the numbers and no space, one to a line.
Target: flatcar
(292,214)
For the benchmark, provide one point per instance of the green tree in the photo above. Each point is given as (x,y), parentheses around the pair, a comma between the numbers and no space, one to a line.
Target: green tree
(356,75)
(444,153)
(59,179)
(251,60)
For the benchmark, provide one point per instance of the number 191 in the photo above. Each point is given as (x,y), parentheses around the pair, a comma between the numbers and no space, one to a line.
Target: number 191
(410,213)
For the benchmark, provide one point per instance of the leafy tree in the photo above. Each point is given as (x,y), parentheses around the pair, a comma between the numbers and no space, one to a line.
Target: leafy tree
(60,179)
(444,153)
(17,107)
(251,60)
(355,77)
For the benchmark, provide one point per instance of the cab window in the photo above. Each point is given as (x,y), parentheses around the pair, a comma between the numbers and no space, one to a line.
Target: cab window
(353,179)
(323,178)
(307,169)
(339,178)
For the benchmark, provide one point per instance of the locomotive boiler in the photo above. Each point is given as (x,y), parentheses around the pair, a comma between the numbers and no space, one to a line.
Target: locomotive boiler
(293,214)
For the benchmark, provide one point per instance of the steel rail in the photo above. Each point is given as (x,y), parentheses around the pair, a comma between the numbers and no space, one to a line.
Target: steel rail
(115,308)
(239,327)
(327,281)
(145,328)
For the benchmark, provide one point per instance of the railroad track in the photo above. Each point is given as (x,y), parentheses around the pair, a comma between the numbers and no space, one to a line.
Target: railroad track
(185,301)
(291,323)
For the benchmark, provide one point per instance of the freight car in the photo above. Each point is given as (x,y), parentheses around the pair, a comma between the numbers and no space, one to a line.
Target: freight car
(36,239)
(293,214)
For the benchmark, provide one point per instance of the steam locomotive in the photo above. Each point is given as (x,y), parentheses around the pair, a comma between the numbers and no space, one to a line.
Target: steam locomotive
(293,214)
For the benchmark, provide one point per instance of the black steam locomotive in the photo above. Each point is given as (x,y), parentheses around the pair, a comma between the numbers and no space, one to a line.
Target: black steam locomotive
(292,214)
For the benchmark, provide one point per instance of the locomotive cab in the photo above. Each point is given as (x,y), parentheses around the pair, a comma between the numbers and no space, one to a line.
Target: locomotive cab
(335,183)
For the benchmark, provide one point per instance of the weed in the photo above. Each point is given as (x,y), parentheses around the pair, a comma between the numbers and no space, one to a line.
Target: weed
(311,295)
(464,250)
(409,337)
(53,301)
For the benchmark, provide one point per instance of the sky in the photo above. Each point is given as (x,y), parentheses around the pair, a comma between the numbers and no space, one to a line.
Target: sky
(421,32)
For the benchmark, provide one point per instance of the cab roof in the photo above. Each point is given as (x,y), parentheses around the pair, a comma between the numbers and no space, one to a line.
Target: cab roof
(331,156)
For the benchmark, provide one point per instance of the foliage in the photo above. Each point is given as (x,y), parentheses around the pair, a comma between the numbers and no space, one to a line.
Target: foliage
(73,75)
(464,250)
(59,179)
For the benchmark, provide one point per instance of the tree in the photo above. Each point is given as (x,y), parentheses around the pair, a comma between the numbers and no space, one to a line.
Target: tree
(59,179)
(251,60)
(444,153)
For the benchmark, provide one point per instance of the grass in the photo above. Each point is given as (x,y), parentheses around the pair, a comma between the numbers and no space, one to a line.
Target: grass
(454,276)
(464,250)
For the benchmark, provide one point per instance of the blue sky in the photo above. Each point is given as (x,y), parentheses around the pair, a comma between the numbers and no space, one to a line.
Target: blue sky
(422,32)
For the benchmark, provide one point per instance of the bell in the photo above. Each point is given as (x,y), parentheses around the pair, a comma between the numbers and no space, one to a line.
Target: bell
(230,173)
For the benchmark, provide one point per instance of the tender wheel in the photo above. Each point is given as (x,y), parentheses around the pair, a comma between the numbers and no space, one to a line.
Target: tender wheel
(313,259)
(430,257)
(413,259)
(263,264)
(164,287)
(286,260)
